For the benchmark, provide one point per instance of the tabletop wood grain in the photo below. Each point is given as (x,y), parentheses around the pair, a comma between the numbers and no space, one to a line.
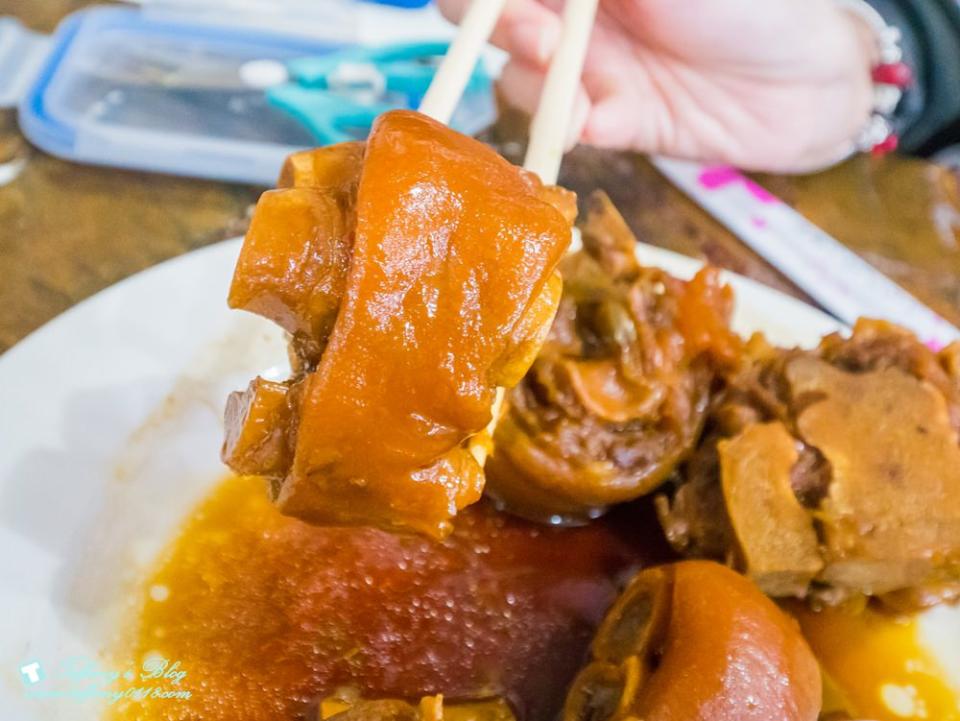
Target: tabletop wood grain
(67,231)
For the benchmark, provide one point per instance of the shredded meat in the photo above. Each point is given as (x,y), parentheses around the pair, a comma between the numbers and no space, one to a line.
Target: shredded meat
(874,419)
(617,397)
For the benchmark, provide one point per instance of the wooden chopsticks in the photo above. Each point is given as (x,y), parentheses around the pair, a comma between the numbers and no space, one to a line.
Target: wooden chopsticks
(454,72)
(549,127)
(548,130)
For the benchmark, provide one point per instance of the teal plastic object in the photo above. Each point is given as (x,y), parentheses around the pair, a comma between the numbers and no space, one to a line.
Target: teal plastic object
(339,95)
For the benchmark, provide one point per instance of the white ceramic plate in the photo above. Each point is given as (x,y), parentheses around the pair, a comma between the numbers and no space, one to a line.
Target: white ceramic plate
(110,429)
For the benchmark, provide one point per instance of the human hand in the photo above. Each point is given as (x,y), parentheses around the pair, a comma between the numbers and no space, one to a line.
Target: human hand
(775,85)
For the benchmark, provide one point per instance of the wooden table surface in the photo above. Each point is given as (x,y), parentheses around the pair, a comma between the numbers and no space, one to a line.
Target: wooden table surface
(67,231)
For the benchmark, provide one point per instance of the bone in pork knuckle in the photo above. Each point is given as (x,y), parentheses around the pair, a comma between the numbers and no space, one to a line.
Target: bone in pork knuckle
(617,397)
(696,641)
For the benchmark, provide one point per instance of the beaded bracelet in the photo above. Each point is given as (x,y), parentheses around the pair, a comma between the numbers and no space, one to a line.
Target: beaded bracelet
(890,77)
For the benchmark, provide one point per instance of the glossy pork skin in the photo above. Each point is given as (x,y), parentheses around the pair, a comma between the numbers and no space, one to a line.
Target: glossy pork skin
(450,251)
(694,641)
(447,289)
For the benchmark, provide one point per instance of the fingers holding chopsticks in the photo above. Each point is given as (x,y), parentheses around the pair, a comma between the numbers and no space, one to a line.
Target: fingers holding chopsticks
(531,30)
(732,81)
(527,29)
(560,107)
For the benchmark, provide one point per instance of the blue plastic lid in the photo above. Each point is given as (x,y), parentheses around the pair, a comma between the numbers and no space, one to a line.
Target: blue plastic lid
(404,3)
(136,90)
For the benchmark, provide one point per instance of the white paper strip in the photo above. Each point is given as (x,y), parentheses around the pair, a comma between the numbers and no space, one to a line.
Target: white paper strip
(843,283)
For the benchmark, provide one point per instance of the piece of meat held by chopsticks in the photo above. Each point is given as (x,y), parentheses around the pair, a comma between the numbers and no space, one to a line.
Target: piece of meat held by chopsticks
(414,280)
(418,281)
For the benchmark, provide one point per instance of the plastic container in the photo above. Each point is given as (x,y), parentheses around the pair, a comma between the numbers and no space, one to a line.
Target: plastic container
(148,89)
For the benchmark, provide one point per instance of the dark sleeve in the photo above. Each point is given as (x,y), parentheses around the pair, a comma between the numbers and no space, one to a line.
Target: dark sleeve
(928,117)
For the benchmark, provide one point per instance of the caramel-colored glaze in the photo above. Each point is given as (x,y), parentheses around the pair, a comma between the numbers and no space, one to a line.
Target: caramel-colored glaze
(269,615)
(695,641)
(703,317)
(293,264)
(876,667)
(256,422)
(325,167)
(453,248)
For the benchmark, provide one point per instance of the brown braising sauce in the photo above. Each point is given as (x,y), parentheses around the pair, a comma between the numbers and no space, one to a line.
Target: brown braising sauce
(268,614)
